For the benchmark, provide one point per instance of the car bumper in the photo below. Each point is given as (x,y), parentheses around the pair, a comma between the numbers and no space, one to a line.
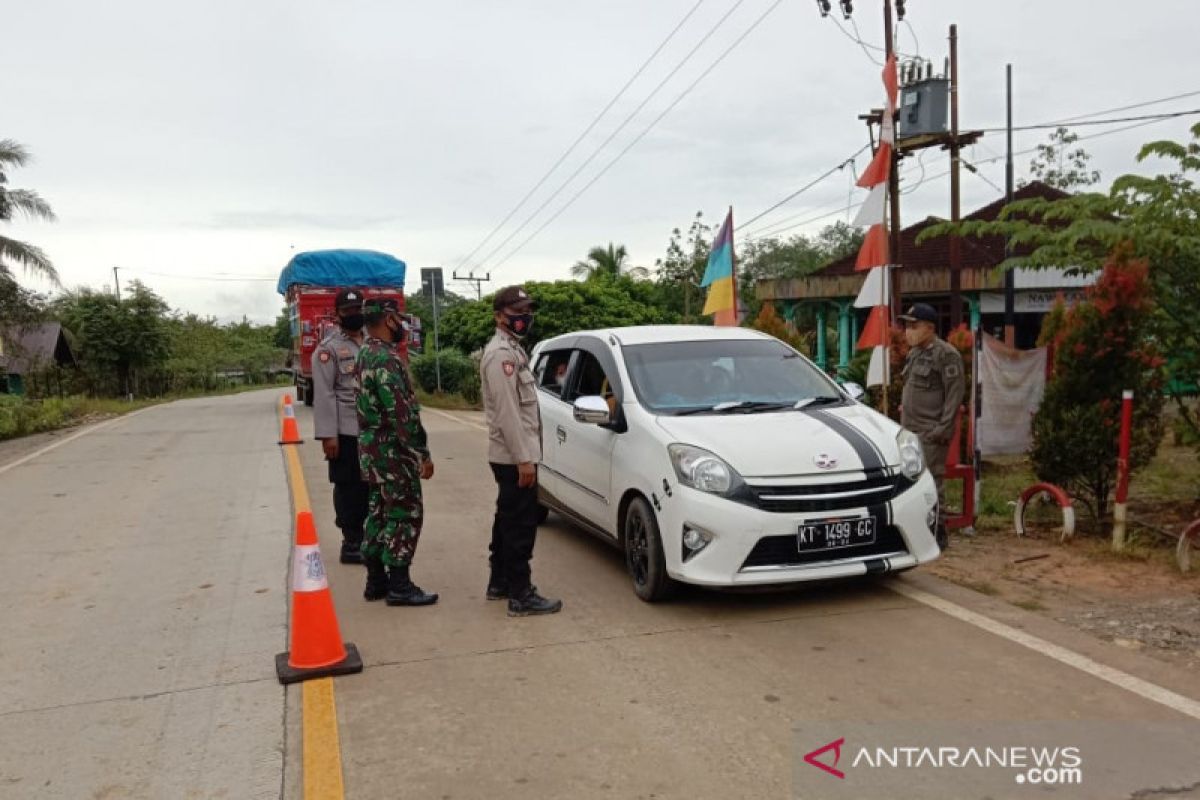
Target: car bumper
(750,546)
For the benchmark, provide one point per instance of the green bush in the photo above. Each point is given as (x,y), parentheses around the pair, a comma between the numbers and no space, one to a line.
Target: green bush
(20,416)
(457,370)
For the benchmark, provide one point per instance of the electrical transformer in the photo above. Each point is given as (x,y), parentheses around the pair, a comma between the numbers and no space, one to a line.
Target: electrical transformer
(924,107)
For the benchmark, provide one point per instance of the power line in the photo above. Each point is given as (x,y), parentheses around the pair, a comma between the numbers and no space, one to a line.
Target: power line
(848,160)
(202,277)
(642,135)
(808,221)
(608,140)
(1131,107)
(858,40)
(1110,121)
(581,136)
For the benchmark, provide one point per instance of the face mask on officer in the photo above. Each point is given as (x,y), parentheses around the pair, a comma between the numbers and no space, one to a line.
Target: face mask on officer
(352,321)
(519,324)
(396,330)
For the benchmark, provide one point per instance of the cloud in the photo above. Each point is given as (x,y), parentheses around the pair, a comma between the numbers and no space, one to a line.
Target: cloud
(292,220)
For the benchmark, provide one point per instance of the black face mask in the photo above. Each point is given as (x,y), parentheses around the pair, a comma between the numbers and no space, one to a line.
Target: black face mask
(397,333)
(519,324)
(351,322)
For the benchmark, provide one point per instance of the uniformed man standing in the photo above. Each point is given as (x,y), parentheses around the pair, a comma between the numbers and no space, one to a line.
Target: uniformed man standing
(394,454)
(933,390)
(514,450)
(336,420)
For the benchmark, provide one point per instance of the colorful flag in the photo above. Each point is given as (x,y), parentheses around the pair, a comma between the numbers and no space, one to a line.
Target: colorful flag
(719,277)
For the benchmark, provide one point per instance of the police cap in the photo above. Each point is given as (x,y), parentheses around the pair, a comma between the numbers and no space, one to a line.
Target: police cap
(348,297)
(920,312)
(512,297)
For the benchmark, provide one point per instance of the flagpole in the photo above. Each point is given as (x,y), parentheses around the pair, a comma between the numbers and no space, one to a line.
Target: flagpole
(737,319)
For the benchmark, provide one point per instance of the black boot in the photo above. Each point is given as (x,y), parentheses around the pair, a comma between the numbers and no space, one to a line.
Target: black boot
(352,551)
(497,588)
(377,579)
(403,592)
(531,603)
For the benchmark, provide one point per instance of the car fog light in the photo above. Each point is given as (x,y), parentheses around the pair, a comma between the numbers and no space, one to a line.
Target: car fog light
(694,540)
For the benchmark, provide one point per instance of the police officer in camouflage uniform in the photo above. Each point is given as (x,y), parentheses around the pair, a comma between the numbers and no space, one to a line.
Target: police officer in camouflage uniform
(514,450)
(394,454)
(934,386)
(335,419)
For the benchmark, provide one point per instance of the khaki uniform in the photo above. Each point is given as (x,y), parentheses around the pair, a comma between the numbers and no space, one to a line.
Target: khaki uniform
(934,386)
(510,403)
(334,386)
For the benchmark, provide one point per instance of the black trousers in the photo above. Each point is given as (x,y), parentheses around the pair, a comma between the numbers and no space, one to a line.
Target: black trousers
(513,531)
(349,491)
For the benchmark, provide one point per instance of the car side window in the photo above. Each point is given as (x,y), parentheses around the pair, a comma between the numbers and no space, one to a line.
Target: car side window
(591,380)
(551,371)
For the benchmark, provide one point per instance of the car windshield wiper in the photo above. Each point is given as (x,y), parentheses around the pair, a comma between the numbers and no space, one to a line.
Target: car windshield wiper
(684,412)
(750,406)
(821,400)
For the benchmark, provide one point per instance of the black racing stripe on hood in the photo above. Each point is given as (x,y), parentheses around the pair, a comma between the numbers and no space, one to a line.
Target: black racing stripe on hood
(864,448)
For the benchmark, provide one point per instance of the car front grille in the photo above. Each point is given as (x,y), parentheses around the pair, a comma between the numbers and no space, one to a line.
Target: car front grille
(876,488)
(782,551)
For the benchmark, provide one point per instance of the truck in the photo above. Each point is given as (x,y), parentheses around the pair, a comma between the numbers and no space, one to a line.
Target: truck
(309,283)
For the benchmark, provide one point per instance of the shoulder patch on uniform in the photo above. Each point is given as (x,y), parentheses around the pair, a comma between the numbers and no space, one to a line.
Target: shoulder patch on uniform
(323,356)
(510,368)
(952,370)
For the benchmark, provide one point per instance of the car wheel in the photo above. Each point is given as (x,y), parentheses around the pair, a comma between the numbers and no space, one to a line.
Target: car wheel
(542,513)
(644,553)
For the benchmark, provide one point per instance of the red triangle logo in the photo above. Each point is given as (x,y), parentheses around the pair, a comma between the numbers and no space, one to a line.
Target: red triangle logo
(836,747)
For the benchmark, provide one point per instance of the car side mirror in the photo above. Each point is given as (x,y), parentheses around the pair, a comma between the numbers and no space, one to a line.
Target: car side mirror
(855,391)
(592,410)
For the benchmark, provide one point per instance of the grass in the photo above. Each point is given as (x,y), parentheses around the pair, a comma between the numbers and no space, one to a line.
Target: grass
(983,587)
(22,417)
(1029,604)
(446,402)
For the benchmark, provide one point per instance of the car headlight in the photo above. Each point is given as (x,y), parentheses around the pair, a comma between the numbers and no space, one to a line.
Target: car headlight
(912,461)
(703,470)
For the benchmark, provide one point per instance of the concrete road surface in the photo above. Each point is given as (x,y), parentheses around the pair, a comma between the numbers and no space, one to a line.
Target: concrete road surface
(144,599)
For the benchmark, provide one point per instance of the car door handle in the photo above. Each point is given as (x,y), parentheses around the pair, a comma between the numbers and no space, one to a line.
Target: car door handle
(562,434)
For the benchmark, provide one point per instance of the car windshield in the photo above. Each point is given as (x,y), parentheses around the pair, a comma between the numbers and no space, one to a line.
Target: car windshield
(724,376)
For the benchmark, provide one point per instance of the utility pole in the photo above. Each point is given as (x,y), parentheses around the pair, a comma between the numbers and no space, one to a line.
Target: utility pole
(1010,316)
(117,283)
(893,183)
(472,279)
(955,196)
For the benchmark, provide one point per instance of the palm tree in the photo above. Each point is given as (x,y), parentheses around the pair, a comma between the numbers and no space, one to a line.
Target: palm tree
(609,261)
(26,201)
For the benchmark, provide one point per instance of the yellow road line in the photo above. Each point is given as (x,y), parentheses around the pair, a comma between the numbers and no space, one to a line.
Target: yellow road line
(322,751)
(321,748)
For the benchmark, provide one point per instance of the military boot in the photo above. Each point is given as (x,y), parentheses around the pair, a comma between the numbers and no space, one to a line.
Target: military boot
(377,579)
(497,588)
(530,603)
(403,592)
(352,551)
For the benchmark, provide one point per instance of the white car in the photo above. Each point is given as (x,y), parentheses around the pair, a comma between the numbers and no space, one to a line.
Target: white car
(722,457)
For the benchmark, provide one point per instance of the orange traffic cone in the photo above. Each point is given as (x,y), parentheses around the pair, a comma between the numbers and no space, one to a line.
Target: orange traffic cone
(291,431)
(317,650)
(287,399)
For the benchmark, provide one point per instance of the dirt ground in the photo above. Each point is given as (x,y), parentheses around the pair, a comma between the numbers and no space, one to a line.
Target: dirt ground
(1139,600)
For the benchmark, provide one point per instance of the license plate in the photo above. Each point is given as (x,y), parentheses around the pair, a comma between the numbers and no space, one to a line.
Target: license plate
(829,534)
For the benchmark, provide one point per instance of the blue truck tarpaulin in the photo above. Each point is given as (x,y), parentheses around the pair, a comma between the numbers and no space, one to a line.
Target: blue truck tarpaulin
(342,268)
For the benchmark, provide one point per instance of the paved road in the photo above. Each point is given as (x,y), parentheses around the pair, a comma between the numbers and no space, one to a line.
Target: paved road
(141,607)
(143,601)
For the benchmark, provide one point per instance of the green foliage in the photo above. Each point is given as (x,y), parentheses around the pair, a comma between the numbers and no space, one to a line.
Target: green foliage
(1100,348)
(20,416)
(682,269)
(795,257)
(456,368)
(563,307)
(611,261)
(1057,165)
(1156,215)
(771,323)
(28,203)
(282,335)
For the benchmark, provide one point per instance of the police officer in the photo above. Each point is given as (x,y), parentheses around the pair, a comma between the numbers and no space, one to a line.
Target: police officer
(394,454)
(933,390)
(514,450)
(336,420)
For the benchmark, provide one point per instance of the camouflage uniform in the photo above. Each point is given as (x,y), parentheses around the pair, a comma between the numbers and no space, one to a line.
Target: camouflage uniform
(391,447)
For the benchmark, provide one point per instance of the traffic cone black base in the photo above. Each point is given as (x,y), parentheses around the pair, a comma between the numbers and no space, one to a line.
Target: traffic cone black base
(349,665)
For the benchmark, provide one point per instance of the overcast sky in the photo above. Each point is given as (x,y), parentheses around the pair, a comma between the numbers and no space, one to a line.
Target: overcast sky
(188,140)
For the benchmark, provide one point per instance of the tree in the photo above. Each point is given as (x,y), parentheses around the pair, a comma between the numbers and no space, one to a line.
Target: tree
(27,202)
(1101,347)
(281,336)
(681,271)
(772,258)
(1057,165)
(611,261)
(1156,215)
(771,323)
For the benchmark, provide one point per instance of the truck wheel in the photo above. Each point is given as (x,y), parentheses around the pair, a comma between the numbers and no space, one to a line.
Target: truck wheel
(644,554)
